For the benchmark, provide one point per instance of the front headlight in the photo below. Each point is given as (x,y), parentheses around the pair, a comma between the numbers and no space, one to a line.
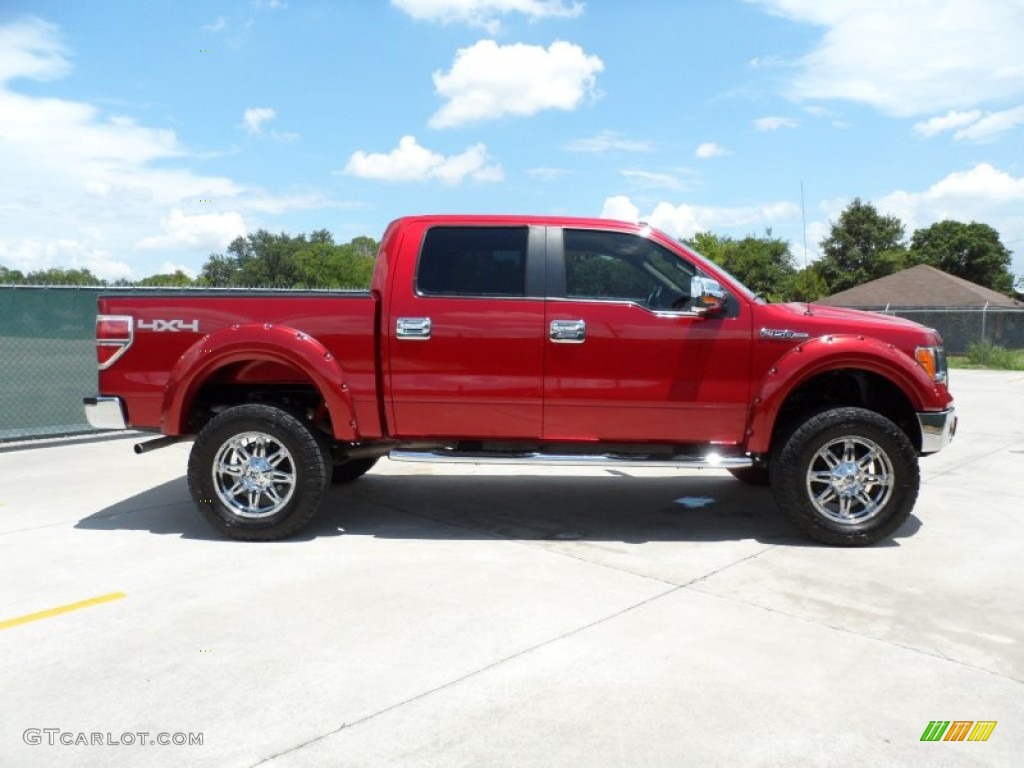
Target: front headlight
(933,360)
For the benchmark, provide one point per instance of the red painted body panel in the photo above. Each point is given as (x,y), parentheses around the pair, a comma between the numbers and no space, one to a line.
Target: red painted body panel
(480,373)
(642,377)
(344,326)
(489,369)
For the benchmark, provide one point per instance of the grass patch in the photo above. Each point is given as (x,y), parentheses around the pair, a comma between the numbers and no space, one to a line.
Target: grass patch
(984,354)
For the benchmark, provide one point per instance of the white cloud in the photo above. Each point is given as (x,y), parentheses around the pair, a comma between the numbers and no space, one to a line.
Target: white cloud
(255,117)
(992,125)
(909,58)
(412,162)
(85,188)
(30,254)
(620,208)
(33,49)
(486,14)
(487,81)
(974,125)
(710,149)
(169,268)
(774,123)
(215,26)
(274,5)
(607,141)
(686,220)
(947,122)
(203,232)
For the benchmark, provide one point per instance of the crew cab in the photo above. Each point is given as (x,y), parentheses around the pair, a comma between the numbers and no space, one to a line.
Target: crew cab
(558,340)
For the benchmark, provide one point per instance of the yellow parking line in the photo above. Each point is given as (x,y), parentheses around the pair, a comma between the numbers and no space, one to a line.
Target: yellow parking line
(8,623)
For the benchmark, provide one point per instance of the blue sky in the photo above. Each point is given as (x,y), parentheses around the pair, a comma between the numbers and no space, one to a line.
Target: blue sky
(138,137)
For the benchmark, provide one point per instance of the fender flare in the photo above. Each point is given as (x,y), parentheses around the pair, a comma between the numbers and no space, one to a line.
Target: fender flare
(831,353)
(266,342)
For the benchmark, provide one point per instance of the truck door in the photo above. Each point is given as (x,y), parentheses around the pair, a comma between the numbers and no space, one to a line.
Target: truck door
(466,342)
(626,357)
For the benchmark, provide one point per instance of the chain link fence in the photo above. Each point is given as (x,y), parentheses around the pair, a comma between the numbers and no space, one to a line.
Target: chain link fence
(48,355)
(961,327)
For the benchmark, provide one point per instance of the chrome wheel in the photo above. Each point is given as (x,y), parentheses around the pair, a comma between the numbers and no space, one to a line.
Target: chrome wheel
(850,480)
(254,475)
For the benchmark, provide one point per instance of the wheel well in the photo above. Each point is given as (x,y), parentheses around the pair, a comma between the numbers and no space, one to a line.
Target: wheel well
(848,387)
(235,384)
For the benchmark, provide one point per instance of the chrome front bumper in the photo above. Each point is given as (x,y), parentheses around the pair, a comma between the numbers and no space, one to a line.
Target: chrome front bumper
(937,429)
(104,412)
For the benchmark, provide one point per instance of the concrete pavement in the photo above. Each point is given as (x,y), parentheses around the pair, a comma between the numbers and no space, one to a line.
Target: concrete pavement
(443,615)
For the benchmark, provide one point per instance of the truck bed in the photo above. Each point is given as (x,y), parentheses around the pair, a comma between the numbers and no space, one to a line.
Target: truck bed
(164,326)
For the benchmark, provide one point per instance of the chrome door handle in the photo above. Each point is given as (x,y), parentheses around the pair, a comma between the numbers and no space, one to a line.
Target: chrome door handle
(413,328)
(568,331)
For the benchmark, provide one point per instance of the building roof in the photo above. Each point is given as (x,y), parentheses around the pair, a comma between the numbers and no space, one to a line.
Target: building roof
(920,286)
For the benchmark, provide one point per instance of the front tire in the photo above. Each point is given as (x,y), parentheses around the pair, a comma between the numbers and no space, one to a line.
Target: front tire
(847,476)
(258,473)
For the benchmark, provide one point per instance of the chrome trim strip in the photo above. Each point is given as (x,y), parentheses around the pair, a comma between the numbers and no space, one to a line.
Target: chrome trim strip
(104,412)
(937,429)
(711,461)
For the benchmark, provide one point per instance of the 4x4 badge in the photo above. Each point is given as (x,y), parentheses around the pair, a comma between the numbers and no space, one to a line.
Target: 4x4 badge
(168,325)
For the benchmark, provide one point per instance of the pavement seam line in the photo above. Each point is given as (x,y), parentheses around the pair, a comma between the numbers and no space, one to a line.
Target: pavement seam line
(871,638)
(474,673)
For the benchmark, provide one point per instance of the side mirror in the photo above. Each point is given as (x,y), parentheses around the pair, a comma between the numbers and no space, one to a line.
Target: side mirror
(707,296)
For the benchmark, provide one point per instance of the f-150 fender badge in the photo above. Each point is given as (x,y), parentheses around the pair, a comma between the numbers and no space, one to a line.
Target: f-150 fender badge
(782,334)
(159,325)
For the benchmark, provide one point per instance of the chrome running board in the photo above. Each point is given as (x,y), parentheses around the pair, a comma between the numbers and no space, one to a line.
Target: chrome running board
(710,461)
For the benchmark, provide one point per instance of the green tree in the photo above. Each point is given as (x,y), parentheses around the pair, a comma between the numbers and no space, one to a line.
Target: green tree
(807,285)
(971,251)
(219,271)
(763,264)
(863,245)
(11,276)
(263,259)
(60,276)
(177,278)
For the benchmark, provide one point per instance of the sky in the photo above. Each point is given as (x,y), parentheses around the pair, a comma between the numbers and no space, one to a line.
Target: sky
(140,137)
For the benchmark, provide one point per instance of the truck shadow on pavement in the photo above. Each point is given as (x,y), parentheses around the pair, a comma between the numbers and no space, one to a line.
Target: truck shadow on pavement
(616,507)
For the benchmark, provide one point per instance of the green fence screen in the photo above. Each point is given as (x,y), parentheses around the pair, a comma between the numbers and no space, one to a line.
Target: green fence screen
(48,359)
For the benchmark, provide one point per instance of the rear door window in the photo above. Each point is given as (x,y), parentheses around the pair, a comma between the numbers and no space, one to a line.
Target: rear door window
(473,261)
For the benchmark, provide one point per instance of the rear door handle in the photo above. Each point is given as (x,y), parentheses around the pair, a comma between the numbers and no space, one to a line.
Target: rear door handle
(568,331)
(413,328)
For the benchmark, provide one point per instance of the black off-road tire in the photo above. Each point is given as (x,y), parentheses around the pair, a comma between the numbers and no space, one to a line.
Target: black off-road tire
(759,476)
(802,454)
(352,470)
(256,515)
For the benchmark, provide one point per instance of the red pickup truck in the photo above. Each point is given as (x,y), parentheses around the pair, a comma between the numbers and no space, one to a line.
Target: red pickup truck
(527,339)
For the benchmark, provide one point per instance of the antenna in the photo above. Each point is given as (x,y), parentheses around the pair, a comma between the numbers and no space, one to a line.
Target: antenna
(803,217)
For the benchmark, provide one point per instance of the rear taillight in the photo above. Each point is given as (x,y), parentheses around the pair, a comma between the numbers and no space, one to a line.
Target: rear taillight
(114,334)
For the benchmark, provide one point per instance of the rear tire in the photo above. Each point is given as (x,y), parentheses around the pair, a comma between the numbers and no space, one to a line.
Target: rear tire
(258,473)
(847,476)
(352,470)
